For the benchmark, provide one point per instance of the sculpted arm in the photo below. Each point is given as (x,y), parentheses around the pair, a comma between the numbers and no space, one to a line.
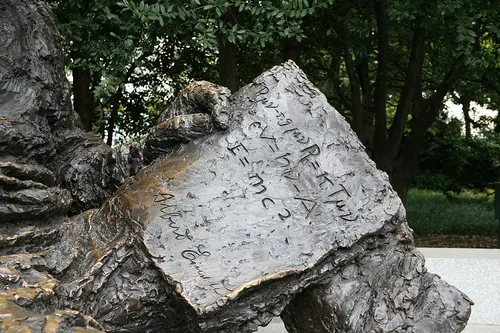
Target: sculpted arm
(92,171)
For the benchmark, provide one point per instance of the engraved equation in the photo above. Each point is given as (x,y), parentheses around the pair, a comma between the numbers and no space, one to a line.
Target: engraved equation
(247,216)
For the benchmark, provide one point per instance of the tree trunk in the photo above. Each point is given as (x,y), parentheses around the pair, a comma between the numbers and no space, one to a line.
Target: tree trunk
(355,87)
(400,163)
(291,50)
(228,61)
(379,140)
(113,117)
(83,98)
(228,65)
(406,166)
(424,114)
(111,125)
(465,101)
(368,115)
(412,89)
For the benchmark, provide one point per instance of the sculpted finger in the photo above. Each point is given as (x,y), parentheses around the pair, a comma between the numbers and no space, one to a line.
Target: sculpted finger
(31,172)
(198,110)
(181,128)
(32,202)
(185,128)
(26,192)
(10,183)
(201,97)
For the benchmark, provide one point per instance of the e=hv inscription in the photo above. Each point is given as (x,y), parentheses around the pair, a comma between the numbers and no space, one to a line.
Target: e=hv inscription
(309,152)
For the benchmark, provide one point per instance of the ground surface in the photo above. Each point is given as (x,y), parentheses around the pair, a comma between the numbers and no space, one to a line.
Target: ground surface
(467,241)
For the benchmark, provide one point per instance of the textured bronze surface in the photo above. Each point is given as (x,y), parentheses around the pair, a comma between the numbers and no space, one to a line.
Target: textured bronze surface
(238,223)
(232,210)
(287,185)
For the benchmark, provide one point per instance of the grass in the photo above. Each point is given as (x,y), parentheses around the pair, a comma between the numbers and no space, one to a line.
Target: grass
(467,213)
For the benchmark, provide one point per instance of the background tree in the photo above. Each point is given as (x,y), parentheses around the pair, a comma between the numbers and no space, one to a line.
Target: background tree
(387,65)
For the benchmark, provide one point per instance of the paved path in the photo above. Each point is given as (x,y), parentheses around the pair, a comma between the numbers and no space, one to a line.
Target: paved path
(476,272)
(279,328)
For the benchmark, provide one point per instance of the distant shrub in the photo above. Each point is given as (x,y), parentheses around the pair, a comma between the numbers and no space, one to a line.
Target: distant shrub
(468,213)
(451,162)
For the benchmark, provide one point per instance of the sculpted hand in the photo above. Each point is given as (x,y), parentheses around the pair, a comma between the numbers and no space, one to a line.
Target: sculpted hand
(92,171)
(199,108)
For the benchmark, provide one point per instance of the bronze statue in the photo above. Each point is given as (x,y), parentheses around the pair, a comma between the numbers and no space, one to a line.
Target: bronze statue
(232,210)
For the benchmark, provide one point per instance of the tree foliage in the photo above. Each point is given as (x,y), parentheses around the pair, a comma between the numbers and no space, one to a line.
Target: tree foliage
(452,162)
(387,65)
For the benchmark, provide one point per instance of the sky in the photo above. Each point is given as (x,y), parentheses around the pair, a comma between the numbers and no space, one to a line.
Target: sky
(455,111)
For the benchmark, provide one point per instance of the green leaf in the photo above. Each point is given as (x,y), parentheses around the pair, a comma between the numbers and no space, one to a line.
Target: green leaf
(163,10)
(199,26)
(471,33)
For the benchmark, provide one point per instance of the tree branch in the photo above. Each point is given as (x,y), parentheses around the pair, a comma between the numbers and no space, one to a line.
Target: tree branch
(381,82)
(436,100)
(357,107)
(411,89)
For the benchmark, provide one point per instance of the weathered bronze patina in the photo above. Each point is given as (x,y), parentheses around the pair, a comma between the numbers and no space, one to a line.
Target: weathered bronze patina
(232,210)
